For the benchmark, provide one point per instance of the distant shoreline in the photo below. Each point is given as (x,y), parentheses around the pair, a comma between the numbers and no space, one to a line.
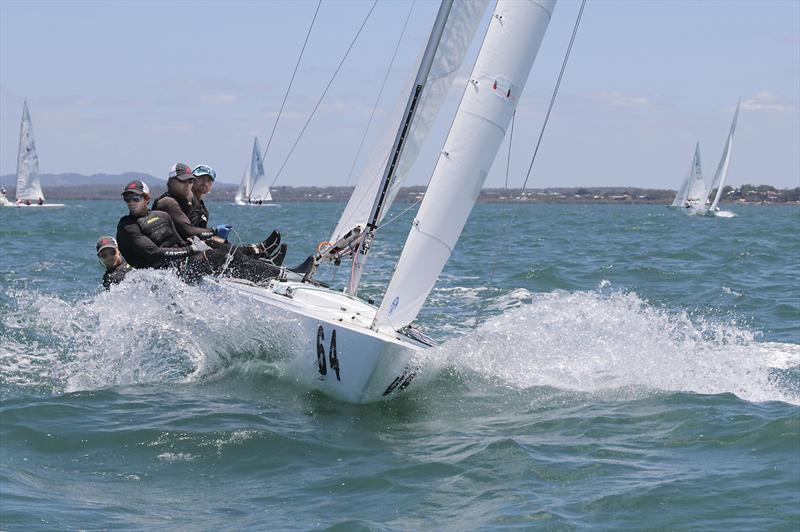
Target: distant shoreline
(106,187)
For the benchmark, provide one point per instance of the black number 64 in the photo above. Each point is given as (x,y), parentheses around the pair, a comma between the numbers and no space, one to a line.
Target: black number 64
(332,358)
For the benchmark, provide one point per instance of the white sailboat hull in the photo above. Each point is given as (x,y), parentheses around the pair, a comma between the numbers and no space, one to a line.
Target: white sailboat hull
(334,349)
(33,205)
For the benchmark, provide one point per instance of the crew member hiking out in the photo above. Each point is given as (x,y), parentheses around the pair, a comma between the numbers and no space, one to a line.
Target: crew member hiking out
(149,239)
(190,215)
(113,261)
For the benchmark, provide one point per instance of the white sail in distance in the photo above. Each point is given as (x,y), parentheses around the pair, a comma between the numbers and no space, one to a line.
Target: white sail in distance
(680,197)
(260,183)
(724,163)
(697,191)
(491,95)
(462,23)
(28,186)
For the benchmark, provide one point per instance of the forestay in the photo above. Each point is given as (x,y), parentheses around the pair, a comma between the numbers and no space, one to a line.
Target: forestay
(722,169)
(489,100)
(462,23)
(28,186)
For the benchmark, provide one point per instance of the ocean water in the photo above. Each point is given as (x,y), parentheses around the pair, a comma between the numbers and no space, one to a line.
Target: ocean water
(600,366)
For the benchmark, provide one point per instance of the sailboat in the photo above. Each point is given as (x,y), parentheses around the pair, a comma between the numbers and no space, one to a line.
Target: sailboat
(692,194)
(349,348)
(254,188)
(722,173)
(29,189)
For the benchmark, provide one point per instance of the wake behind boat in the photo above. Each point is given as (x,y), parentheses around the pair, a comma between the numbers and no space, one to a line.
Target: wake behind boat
(29,192)
(349,348)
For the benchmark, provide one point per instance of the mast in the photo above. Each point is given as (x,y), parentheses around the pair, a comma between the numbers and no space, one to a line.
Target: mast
(359,259)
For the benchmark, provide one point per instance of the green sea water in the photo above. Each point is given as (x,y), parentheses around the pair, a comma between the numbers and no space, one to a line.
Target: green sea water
(600,367)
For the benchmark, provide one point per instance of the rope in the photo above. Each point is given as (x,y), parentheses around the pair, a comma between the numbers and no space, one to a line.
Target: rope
(538,142)
(302,131)
(291,81)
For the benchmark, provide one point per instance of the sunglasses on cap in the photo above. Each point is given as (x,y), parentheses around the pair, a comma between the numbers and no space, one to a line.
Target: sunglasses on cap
(107,253)
(132,198)
(202,170)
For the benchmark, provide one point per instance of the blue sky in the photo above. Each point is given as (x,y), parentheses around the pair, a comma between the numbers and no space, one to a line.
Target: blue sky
(121,86)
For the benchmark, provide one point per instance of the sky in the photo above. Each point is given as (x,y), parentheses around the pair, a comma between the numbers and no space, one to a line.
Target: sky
(136,86)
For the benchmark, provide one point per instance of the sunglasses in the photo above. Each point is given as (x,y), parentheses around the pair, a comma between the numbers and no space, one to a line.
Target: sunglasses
(133,198)
(204,170)
(107,253)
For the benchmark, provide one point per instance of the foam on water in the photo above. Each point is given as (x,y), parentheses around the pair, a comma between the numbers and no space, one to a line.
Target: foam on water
(155,329)
(596,341)
(152,328)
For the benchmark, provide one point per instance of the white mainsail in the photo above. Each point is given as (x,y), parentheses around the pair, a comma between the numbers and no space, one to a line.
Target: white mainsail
(722,169)
(260,183)
(462,23)
(490,98)
(28,186)
(697,191)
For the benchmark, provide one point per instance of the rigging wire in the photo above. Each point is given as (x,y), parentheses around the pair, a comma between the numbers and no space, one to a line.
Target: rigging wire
(538,141)
(308,121)
(510,142)
(377,101)
(291,81)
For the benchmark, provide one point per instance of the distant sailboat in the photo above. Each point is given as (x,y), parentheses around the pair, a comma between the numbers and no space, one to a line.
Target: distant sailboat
(693,194)
(722,172)
(29,189)
(254,188)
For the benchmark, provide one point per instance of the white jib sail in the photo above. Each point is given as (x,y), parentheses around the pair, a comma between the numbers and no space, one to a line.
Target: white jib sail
(244,187)
(260,183)
(28,186)
(680,197)
(698,192)
(462,23)
(490,98)
(722,169)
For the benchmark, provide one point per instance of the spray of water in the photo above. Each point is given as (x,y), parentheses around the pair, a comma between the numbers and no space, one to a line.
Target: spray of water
(600,341)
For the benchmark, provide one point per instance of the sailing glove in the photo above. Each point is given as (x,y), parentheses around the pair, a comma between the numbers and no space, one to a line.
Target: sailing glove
(223,231)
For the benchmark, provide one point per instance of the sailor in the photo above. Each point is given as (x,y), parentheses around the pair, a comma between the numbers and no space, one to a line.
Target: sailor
(149,239)
(269,249)
(113,261)
(178,203)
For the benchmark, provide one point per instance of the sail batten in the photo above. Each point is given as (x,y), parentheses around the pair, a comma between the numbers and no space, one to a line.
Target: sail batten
(490,97)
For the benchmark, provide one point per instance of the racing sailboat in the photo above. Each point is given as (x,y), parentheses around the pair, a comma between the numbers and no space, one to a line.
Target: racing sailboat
(254,188)
(345,346)
(692,194)
(722,173)
(29,190)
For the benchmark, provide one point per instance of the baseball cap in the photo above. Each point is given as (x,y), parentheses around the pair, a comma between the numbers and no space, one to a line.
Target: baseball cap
(204,169)
(181,172)
(105,242)
(136,187)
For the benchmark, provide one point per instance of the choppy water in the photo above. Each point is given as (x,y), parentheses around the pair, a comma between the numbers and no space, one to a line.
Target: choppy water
(601,367)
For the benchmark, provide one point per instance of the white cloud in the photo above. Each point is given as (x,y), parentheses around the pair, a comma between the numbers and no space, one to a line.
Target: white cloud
(765,101)
(619,99)
(218,99)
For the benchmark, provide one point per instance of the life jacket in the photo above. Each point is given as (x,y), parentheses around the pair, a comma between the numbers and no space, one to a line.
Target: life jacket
(156,226)
(199,214)
(186,206)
